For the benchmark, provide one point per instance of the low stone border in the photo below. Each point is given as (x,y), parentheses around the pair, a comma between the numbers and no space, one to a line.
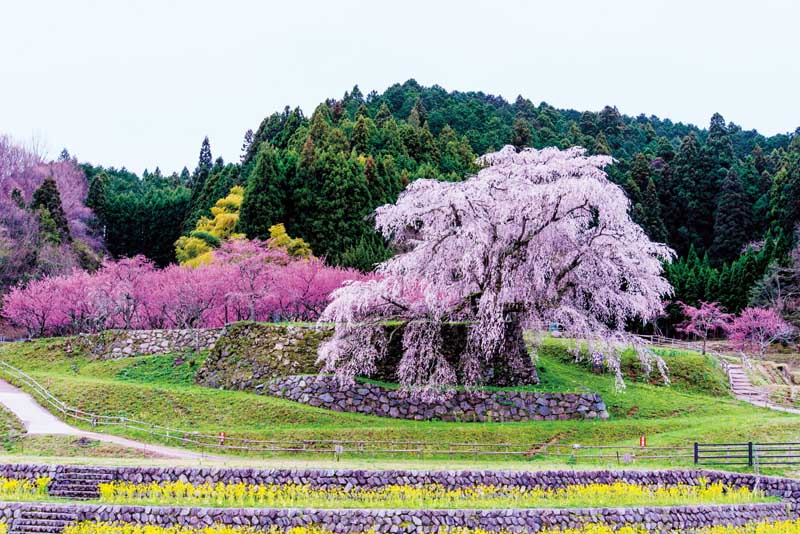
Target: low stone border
(479,405)
(113,344)
(359,520)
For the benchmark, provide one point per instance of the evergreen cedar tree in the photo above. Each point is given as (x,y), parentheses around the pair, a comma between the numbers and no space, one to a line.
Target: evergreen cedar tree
(536,236)
(47,203)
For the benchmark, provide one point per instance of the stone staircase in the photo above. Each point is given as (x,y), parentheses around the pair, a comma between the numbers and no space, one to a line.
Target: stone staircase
(79,483)
(741,386)
(42,519)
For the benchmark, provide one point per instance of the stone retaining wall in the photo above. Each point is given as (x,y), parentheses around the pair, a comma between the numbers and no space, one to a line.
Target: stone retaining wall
(122,343)
(480,405)
(398,521)
(248,354)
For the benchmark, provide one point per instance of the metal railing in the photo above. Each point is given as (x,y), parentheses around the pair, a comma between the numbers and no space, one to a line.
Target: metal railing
(747,454)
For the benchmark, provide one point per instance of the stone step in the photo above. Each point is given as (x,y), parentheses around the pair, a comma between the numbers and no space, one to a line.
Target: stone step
(87,487)
(93,478)
(37,530)
(77,495)
(42,509)
(52,515)
(40,522)
(87,475)
(741,386)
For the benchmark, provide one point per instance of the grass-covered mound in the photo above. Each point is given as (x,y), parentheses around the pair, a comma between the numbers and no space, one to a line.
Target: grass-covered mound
(688,371)
(248,354)
(159,390)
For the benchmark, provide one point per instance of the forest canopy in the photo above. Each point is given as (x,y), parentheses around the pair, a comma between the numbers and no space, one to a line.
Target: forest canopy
(726,199)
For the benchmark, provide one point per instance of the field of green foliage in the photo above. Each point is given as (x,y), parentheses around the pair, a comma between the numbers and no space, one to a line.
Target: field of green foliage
(160,390)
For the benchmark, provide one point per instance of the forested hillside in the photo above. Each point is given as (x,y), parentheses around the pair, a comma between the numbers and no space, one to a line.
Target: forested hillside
(726,199)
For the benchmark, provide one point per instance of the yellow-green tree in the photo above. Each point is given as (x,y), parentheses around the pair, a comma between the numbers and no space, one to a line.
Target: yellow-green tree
(295,246)
(197,248)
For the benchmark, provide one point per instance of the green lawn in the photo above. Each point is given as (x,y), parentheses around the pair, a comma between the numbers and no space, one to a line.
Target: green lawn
(697,406)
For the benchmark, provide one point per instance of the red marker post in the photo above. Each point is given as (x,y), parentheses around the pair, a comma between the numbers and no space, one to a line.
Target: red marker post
(643,441)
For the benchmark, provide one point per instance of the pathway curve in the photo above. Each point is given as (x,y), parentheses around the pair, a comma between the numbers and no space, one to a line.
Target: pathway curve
(38,421)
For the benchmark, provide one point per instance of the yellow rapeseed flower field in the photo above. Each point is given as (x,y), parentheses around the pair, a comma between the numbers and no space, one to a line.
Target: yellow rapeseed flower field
(20,488)
(424,496)
(779,527)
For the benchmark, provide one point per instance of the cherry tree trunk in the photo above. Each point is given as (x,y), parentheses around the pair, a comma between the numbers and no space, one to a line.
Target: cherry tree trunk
(513,366)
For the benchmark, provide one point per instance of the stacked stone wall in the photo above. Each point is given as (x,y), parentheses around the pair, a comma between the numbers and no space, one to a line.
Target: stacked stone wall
(787,489)
(113,344)
(461,405)
(658,519)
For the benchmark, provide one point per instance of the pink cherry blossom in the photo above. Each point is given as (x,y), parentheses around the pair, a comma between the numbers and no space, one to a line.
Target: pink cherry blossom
(248,280)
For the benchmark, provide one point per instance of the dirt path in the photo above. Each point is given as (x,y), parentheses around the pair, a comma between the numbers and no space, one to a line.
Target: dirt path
(38,421)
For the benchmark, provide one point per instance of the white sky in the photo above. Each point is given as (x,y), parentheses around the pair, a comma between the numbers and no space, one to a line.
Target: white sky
(139,83)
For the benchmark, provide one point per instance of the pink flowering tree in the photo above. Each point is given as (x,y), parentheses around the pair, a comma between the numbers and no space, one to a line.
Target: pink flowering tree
(704,320)
(252,265)
(537,236)
(247,280)
(755,329)
(33,307)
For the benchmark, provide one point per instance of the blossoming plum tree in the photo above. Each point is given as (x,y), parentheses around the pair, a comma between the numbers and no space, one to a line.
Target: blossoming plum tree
(757,328)
(537,236)
(704,320)
(245,280)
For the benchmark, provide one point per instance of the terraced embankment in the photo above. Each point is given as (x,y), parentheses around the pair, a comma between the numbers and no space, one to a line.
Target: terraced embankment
(78,482)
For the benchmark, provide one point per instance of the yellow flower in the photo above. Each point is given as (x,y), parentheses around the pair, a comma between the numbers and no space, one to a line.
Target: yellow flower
(765,527)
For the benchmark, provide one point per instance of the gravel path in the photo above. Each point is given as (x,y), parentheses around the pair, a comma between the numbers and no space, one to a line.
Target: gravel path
(39,421)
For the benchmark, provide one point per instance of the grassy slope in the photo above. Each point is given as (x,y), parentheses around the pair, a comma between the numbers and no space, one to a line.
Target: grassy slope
(9,425)
(69,447)
(695,407)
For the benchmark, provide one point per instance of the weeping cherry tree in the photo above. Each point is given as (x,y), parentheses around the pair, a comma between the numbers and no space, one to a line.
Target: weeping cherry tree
(536,237)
